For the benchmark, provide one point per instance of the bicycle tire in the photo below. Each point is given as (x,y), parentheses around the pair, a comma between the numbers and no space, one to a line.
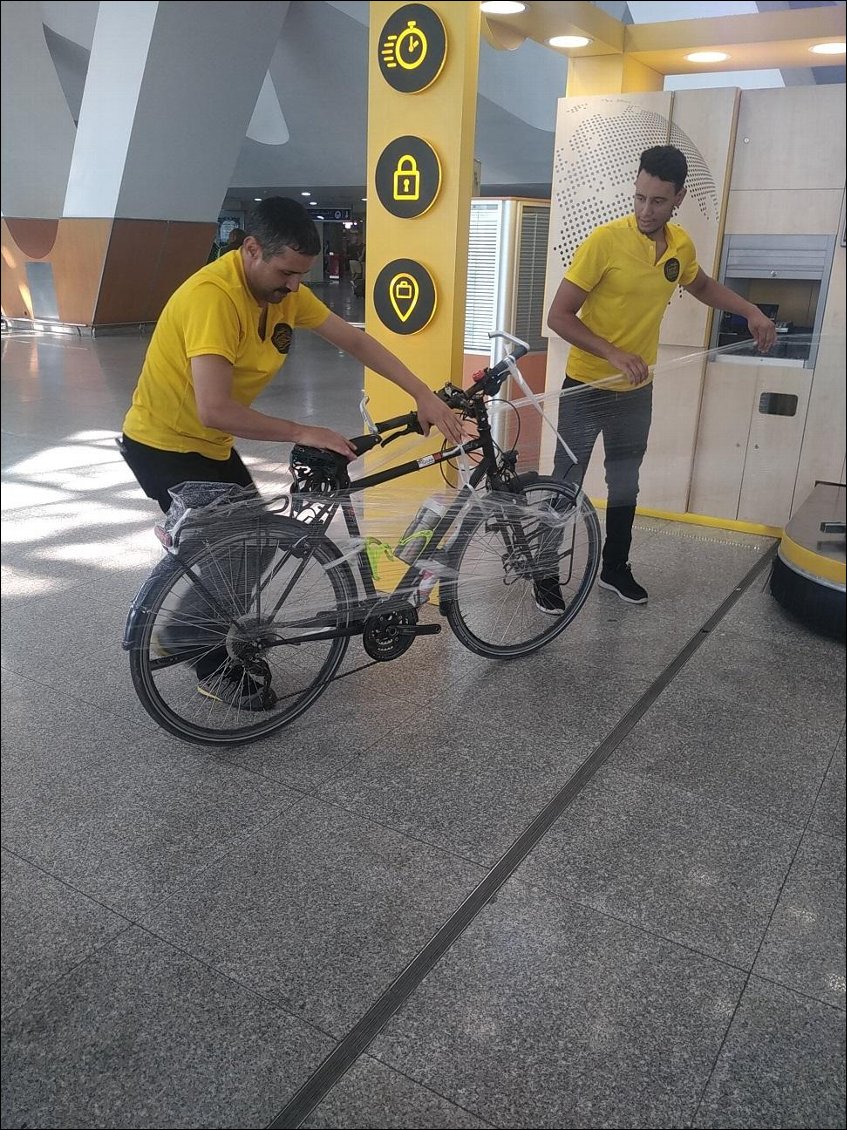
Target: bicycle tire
(489,600)
(173,630)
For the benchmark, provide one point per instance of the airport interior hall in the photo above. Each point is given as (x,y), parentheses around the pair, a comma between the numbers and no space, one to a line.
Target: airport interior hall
(423,559)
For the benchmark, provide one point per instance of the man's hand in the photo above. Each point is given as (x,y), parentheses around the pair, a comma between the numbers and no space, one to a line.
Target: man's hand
(325,438)
(762,329)
(633,367)
(433,411)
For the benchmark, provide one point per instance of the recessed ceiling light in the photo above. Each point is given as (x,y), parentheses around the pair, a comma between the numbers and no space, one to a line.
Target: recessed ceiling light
(828,49)
(707,56)
(305,194)
(569,41)
(502,7)
(257,198)
(313,203)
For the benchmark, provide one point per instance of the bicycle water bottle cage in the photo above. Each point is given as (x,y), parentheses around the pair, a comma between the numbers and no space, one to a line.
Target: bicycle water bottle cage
(316,471)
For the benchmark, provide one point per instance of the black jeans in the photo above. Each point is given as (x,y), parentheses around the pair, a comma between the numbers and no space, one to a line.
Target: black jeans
(228,577)
(623,419)
(158,471)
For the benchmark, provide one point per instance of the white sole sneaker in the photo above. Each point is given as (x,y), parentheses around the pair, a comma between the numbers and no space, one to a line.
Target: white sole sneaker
(620,595)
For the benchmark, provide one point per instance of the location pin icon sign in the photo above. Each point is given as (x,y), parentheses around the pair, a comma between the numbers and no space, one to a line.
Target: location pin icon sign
(403,293)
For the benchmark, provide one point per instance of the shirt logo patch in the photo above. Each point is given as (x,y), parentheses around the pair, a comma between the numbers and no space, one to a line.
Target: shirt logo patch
(672,270)
(281,337)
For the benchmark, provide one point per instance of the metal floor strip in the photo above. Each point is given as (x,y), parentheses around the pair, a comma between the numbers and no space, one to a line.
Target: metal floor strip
(363,1033)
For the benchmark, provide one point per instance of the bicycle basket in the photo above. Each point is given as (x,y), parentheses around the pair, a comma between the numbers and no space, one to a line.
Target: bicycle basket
(196,503)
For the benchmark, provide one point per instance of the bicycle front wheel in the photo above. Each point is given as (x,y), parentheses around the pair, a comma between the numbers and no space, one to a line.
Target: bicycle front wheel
(236,637)
(522,568)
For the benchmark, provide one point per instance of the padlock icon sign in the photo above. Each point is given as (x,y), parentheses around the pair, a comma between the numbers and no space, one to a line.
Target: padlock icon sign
(407,179)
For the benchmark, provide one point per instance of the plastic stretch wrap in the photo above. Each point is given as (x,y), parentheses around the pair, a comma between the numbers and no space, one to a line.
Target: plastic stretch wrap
(248,616)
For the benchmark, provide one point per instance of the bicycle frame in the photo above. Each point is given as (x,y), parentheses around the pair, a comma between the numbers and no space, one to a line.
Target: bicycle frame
(514,557)
(495,467)
(488,468)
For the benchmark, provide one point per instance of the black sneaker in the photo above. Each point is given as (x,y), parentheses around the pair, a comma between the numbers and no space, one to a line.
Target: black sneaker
(619,579)
(548,596)
(235,687)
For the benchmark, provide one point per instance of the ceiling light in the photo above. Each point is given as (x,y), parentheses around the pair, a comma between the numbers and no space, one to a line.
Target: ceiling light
(569,41)
(828,49)
(502,7)
(313,203)
(305,194)
(707,56)
(257,198)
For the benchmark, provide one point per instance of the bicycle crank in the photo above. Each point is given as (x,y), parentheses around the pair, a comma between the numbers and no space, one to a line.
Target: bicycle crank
(390,634)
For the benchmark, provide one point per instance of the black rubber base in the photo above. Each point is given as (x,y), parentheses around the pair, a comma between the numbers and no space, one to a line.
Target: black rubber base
(820,608)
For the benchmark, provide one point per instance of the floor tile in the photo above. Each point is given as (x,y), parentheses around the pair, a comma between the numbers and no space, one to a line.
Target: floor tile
(782,1064)
(658,857)
(373,1096)
(804,948)
(126,824)
(740,668)
(546,1014)
(743,756)
(319,911)
(828,815)
(48,928)
(142,1035)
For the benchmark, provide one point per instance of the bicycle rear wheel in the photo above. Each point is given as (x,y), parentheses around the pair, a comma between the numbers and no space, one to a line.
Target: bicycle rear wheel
(220,638)
(548,533)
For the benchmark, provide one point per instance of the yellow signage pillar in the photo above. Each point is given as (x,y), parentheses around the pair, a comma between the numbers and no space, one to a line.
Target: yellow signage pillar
(423,68)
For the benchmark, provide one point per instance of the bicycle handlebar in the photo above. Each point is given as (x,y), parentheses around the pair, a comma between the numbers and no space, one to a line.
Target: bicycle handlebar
(487,382)
(491,379)
(410,422)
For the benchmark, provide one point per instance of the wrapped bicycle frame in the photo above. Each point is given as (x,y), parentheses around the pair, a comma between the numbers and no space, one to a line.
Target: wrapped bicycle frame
(248,617)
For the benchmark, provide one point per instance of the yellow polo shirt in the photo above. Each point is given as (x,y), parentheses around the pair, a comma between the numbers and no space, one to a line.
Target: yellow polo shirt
(628,292)
(213,312)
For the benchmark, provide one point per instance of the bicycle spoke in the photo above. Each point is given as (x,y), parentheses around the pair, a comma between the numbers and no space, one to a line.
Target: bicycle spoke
(237,679)
(552,538)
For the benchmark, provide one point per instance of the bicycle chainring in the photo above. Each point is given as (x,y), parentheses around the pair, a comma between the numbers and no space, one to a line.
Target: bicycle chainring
(383,637)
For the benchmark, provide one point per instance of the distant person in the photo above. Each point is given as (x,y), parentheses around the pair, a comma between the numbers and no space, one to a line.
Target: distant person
(610,306)
(234,240)
(354,259)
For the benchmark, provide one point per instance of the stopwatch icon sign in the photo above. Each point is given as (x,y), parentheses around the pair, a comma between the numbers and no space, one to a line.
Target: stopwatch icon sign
(406,50)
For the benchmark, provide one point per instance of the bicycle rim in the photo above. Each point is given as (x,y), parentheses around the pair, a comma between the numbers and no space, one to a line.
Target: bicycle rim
(501,556)
(200,658)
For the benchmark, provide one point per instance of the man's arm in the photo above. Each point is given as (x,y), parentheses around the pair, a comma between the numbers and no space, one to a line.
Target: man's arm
(562,320)
(719,297)
(374,356)
(212,378)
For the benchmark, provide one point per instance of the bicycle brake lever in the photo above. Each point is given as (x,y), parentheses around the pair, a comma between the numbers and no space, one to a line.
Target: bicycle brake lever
(367,419)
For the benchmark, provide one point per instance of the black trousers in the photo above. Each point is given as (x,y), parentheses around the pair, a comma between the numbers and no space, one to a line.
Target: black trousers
(623,419)
(158,471)
(195,623)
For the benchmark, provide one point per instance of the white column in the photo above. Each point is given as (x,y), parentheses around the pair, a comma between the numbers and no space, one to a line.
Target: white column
(38,129)
(170,92)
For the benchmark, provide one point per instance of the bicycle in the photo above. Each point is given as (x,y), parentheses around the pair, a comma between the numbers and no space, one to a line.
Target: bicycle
(270,601)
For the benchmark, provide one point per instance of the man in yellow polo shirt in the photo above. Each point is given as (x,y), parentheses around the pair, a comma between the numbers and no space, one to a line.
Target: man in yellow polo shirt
(609,306)
(221,338)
